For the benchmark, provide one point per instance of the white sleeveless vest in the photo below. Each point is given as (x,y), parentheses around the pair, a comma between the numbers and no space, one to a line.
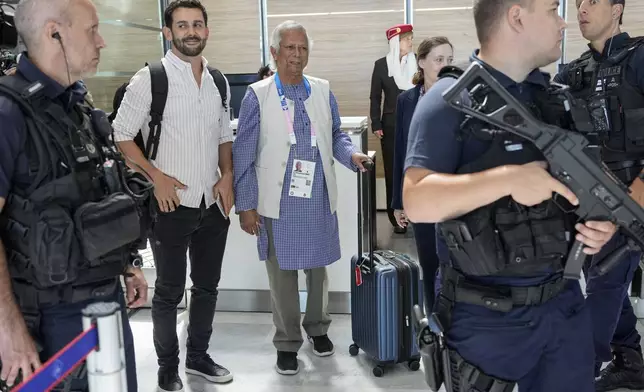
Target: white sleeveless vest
(274,144)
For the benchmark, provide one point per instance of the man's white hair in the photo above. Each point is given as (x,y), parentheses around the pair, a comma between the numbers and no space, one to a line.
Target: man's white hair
(278,32)
(31,16)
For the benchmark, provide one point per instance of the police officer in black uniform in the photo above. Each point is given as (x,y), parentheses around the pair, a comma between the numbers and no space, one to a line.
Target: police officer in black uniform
(609,77)
(69,209)
(509,315)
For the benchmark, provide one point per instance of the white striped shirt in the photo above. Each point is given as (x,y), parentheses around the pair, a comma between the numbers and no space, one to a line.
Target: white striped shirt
(194,125)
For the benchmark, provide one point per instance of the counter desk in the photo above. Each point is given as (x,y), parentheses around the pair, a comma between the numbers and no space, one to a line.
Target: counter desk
(244,282)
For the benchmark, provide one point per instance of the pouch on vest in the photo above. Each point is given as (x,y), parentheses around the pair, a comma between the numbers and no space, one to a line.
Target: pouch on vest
(106,225)
(475,248)
(54,247)
(500,240)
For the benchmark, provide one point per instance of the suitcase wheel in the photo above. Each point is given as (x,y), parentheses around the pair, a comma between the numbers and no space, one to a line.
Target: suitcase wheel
(414,365)
(354,349)
(378,371)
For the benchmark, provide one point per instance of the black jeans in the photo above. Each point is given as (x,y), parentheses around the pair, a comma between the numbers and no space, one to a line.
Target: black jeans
(203,233)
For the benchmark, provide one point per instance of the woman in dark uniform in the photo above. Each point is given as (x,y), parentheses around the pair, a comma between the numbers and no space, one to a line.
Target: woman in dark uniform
(433,54)
(392,75)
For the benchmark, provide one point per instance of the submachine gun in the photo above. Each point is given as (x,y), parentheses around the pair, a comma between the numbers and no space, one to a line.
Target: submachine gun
(602,196)
(573,161)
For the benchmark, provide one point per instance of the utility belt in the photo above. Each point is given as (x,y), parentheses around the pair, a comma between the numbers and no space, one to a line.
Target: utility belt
(457,288)
(32,300)
(444,365)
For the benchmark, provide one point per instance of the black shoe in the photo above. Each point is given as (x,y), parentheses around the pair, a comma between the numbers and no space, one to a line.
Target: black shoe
(208,369)
(287,363)
(625,371)
(169,380)
(322,346)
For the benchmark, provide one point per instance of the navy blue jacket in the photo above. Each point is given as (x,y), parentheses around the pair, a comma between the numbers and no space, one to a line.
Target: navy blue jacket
(405,106)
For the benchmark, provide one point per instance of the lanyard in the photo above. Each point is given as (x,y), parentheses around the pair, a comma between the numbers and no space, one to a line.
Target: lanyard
(291,132)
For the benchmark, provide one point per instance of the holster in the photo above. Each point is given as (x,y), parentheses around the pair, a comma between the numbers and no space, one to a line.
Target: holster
(432,355)
(466,377)
(445,366)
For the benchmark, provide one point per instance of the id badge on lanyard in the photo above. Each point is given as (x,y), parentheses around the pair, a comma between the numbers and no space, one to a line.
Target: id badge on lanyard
(289,122)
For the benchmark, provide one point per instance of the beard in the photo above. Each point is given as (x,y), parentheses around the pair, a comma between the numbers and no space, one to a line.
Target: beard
(184,48)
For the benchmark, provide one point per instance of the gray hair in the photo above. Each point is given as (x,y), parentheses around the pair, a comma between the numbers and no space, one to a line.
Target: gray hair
(31,16)
(278,32)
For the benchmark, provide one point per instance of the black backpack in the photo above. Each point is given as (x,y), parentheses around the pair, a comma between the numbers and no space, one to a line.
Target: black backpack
(159,84)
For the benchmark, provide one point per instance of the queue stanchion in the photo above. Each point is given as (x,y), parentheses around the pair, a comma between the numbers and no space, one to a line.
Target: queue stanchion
(106,370)
(100,345)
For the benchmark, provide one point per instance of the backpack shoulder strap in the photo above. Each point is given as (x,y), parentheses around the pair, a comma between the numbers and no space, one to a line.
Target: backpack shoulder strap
(116,101)
(220,82)
(159,86)
(159,89)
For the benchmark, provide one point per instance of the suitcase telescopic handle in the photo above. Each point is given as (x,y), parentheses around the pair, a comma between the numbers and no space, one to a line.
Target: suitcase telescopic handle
(367,190)
(369,165)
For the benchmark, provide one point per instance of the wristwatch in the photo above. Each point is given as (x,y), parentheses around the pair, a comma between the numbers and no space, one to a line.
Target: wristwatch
(136,261)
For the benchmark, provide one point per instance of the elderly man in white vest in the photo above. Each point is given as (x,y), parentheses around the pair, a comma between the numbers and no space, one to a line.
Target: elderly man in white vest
(285,188)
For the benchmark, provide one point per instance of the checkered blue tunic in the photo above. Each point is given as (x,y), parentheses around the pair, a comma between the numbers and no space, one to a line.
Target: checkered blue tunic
(306,233)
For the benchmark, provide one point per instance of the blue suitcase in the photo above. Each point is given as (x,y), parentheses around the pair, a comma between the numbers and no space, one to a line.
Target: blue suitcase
(385,286)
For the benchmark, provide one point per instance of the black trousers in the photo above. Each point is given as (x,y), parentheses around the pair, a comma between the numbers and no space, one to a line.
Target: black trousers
(425,237)
(203,233)
(388,143)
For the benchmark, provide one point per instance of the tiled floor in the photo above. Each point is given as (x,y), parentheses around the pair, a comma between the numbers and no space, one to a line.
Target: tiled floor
(242,342)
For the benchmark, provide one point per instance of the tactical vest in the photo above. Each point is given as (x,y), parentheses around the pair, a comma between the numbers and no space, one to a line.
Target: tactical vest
(72,228)
(615,108)
(505,238)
